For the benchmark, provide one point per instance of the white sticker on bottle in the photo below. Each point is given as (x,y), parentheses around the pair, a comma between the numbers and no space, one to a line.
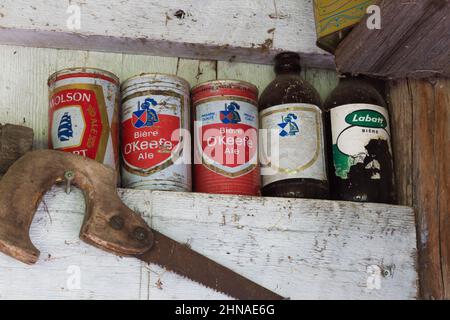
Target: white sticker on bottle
(360,139)
(292,145)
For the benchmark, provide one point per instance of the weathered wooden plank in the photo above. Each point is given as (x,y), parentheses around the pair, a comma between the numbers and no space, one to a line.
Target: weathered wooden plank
(70,58)
(15,141)
(413,41)
(401,112)
(304,244)
(323,80)
(105,60)
(23,88)
(425,172)
(421,140)
(251,31)
(304,249)
(102,60)
(136,64)
(197,71)
(442,144)
(259,75)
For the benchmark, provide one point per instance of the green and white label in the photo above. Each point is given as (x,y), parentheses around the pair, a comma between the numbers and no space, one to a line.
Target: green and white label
(366,118)
(359,132)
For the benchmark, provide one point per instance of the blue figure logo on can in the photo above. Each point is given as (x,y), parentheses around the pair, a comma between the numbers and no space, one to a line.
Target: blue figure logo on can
(230,115)
(145,116)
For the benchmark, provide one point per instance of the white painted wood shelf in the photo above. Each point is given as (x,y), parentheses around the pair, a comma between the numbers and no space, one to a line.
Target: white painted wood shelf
(300,248)
(233,30)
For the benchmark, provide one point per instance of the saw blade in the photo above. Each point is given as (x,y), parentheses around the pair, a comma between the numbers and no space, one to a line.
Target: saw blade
(184,261)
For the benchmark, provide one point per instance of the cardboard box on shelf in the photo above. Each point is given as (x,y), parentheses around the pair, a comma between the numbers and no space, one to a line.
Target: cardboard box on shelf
(335,18)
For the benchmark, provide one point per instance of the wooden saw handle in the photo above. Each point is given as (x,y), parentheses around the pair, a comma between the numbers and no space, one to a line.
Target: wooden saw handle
(108,224)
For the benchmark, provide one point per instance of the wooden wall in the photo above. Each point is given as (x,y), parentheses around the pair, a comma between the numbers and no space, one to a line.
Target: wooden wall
(420,111)
(24,72)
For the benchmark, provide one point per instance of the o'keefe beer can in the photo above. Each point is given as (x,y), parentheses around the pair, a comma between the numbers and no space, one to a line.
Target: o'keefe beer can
(156,144)
(225,138)
(84,114)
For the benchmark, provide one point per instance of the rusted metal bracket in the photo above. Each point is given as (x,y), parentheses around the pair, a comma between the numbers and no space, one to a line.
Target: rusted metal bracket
(29,178)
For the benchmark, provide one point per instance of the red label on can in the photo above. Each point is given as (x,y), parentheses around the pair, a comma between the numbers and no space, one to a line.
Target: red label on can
(148,147)
(76,122)
(230,146)
(150,136)
(226,139)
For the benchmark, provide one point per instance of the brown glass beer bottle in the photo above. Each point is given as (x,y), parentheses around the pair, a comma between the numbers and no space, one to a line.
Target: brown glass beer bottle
(292,144)
(358,140)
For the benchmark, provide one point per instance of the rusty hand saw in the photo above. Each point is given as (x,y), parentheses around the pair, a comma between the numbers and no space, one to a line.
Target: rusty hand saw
(108,223)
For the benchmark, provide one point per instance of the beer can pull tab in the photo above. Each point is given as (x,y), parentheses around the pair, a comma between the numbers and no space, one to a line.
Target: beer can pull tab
(68,176)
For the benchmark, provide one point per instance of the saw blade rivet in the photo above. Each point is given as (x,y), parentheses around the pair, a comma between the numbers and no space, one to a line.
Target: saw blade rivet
(68,176)
(140,234)
(116,222)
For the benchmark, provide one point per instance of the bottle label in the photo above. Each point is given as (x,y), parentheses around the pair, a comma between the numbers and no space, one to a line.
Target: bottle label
(361,140)
(292,144)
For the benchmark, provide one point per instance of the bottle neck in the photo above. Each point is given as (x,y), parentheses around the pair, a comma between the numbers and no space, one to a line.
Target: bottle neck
(287,63)
(285,69)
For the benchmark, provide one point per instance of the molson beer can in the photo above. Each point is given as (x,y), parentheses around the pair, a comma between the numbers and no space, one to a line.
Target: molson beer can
(156,143)
(84,114)
(225,137)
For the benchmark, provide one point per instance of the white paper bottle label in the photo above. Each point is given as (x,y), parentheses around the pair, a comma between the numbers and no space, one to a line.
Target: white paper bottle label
(292,144)
(358,132)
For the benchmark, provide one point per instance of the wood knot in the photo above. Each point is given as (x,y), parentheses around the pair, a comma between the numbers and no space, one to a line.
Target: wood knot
(180,14)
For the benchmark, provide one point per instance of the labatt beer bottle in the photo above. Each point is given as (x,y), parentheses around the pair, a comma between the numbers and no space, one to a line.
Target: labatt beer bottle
(358,137)
(292,147)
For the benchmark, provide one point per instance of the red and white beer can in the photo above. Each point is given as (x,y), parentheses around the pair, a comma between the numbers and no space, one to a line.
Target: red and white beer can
(156,143)
(226,138)
(84,114)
